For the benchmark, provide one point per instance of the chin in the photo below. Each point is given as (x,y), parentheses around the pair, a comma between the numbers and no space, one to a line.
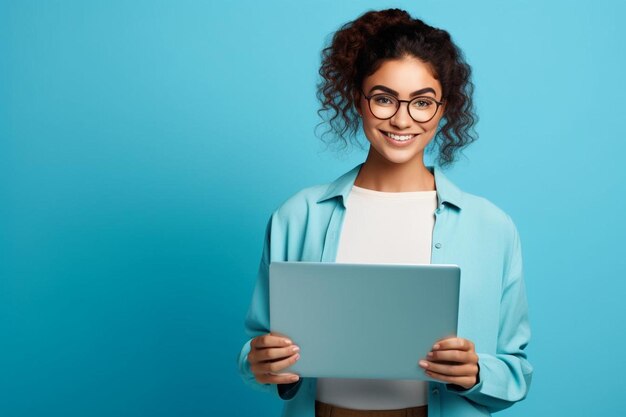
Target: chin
(401,161)
(400,157)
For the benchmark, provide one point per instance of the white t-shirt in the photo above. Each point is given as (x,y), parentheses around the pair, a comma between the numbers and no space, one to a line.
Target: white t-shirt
(382,227)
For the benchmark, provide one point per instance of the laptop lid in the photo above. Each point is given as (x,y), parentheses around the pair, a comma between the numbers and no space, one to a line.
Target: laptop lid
(363,320)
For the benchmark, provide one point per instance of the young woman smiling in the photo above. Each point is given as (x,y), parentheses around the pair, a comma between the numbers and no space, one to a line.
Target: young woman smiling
(407,86)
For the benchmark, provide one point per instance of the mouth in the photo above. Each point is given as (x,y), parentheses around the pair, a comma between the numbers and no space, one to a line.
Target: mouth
(397,138)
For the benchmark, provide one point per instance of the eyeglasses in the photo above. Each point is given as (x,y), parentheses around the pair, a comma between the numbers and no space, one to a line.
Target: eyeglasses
(384,106)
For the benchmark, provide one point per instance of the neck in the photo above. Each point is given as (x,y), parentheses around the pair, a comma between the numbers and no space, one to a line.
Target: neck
(380,174)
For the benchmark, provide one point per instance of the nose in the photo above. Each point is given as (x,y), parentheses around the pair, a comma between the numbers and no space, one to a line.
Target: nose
(402,119)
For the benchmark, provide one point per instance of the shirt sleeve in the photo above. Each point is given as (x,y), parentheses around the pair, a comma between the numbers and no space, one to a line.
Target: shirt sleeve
(504,378)
(257,323)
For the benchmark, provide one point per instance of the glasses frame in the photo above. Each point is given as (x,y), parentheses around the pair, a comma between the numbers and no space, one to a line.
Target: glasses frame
(369,104)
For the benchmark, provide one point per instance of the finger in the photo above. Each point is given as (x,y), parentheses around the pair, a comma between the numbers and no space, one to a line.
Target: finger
(450,370)
(269,340)
(465,382)
(271,378)
(270,354)
(454,343)
(275,366)
(452,356)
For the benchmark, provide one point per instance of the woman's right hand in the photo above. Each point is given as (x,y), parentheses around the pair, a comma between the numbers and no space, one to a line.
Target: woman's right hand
(270,353)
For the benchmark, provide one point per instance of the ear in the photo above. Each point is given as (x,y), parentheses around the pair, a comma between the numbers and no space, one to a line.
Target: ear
(357,103)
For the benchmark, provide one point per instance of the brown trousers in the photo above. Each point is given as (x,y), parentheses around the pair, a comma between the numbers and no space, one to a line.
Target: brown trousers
(327,410)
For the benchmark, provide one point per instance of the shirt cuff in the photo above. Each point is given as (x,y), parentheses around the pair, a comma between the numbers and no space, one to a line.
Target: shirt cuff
(288,391)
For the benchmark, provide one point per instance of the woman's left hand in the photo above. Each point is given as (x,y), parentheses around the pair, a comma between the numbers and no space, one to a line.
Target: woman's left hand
(454,361)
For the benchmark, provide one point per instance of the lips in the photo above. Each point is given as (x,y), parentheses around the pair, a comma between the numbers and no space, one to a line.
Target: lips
(400,134)
(399,141)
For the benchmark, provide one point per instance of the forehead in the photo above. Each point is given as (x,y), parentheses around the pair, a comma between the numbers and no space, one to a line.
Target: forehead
(403,75)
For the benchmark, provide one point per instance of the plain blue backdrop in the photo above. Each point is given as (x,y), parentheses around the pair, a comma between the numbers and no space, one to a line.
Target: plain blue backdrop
(143,145)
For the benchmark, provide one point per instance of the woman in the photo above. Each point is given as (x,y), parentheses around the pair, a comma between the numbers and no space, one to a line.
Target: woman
(407,85)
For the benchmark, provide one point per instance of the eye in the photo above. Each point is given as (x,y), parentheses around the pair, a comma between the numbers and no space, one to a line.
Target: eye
(384,100)
(423,103)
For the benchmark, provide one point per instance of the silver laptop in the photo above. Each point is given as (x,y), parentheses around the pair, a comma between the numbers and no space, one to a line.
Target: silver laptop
(363,320)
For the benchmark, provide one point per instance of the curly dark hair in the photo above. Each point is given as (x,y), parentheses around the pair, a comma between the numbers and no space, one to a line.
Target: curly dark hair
(360,47)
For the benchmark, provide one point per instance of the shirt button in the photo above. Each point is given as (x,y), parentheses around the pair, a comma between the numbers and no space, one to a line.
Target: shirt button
(438,245)
(435,391)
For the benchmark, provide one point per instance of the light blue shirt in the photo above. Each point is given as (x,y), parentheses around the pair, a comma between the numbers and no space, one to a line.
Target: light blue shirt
(469,231)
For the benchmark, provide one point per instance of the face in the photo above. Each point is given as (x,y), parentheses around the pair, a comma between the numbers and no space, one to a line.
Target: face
(400,78)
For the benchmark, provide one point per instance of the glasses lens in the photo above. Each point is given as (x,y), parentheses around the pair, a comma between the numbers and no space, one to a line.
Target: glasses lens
(383,106)
(422,109)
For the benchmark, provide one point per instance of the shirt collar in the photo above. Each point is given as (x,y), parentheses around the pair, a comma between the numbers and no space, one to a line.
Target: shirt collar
(447,192)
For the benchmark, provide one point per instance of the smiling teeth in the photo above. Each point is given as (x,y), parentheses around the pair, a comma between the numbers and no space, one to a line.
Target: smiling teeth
(400,138)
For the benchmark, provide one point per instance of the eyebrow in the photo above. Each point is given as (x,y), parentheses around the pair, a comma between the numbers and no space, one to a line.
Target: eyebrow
(414,93)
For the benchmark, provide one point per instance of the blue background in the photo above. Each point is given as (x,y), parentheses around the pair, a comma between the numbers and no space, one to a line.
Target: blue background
(144,144)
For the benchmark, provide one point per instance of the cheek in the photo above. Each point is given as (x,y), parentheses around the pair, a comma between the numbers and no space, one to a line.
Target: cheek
(433,124)
(369,121)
